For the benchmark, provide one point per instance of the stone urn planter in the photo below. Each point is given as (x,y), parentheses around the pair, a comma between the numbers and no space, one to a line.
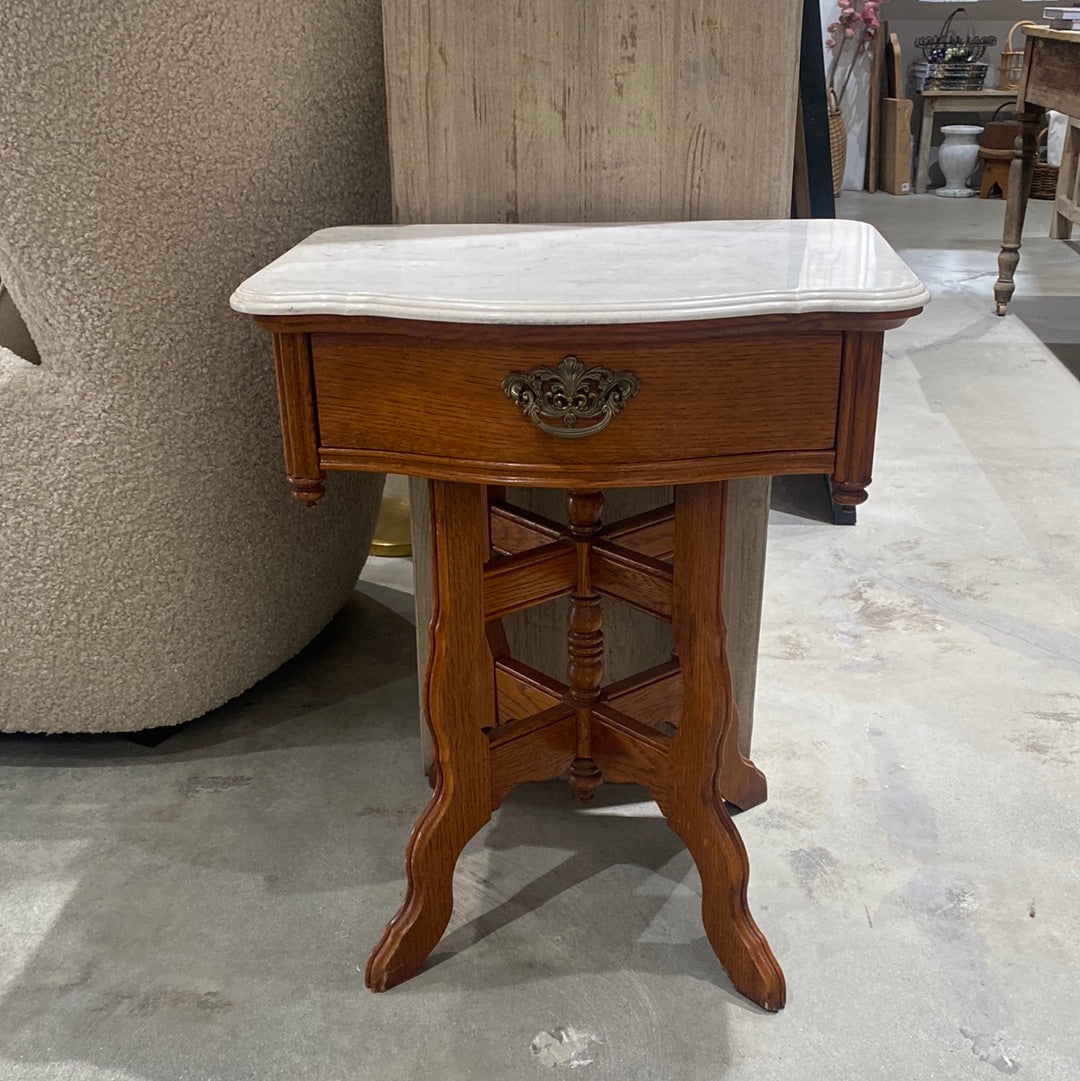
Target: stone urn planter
(957,157)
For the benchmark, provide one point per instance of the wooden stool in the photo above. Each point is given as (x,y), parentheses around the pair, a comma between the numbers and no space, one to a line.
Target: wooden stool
(584,358)
(994,166)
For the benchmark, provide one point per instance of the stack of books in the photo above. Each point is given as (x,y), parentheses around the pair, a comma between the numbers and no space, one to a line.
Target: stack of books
(1063,18)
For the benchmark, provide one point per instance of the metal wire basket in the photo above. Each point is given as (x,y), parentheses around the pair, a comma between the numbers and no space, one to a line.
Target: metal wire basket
(947,47)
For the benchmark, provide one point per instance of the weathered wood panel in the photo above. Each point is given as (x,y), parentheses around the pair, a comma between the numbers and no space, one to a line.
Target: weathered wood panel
(1052,78)
(612,110)
(555,110)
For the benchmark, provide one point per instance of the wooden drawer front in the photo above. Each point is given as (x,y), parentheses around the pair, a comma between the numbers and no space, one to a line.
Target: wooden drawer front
(696,400)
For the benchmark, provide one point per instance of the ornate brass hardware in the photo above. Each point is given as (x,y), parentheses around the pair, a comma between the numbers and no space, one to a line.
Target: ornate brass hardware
(555,399)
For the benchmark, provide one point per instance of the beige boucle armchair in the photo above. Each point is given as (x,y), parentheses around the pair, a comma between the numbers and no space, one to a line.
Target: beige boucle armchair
(152,562)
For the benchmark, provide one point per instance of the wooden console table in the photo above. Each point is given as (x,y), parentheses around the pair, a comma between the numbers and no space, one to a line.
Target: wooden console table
(584,358)
(1049,79)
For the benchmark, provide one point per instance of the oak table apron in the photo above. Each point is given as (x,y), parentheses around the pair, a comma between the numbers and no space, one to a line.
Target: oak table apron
(582,358)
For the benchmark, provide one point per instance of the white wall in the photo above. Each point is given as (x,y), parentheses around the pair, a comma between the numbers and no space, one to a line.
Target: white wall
(856,103)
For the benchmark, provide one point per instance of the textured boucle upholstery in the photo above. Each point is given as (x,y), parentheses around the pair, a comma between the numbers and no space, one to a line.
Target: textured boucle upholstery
(152,155)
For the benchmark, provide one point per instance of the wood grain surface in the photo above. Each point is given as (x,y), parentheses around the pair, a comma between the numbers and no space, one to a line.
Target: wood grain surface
(296,402)
(762,400)
(496,723)
(857,419)
(563,111)
(704,760)
(612,110)
(698,399)
(1066,212)
(1051,77)
(459,690)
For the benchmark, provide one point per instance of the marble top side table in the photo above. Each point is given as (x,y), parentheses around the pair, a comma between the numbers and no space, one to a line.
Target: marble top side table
(582,358)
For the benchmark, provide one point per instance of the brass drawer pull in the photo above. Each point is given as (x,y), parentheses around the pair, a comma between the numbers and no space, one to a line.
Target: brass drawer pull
(555,399)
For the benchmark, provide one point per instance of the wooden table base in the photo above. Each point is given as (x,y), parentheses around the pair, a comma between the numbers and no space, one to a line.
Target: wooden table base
(582,358)
(1049,79)
(496,723)
(1021,171)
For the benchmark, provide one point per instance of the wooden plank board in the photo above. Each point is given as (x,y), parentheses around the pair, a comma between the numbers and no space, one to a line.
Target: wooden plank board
(612,110)
(1051,77)
(555,110)
(894,68)
(873,150)
(1066,212)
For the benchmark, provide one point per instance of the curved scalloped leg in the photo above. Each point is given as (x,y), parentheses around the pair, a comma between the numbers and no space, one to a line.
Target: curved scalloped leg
(460,697)
(717,849)
(441,832)
(709,722)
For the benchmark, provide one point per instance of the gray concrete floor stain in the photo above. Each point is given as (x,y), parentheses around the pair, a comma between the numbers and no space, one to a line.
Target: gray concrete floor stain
(201,907)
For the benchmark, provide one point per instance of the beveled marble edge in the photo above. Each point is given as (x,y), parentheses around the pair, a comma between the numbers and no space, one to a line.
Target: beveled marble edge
(527,314)
(274,290)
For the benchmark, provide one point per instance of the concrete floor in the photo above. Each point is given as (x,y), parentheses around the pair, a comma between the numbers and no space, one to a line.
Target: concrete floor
(202,909)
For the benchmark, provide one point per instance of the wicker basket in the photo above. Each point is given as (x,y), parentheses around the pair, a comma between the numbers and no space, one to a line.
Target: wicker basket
(1012,60)
(1045,177)
(837,142)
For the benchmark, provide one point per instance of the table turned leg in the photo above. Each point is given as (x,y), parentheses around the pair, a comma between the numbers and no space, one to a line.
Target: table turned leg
(1021,172)
(460,698)
(584,640)
(690,803)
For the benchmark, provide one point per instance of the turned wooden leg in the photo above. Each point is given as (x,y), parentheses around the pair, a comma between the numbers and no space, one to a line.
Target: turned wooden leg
(708,723)
(1020,173)
(856,422)
(584,641)
(460,696)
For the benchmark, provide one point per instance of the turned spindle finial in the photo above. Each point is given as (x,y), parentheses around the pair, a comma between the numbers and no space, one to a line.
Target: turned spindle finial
(585,778)
(848,493)
(308,490)
(583,511)
(584,640)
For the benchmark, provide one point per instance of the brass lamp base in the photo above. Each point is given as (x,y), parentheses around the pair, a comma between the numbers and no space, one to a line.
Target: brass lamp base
(392,536)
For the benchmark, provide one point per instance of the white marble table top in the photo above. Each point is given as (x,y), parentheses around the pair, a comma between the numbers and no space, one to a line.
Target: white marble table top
(573,274)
